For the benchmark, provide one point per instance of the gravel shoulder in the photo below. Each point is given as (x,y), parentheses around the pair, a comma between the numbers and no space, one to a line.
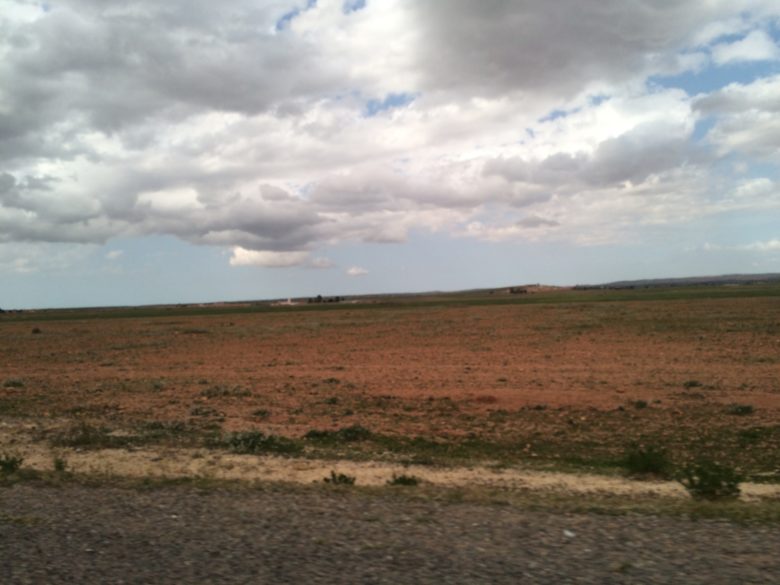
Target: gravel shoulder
(287,534)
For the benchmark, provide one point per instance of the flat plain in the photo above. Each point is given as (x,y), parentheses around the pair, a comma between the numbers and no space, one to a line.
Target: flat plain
(563,379)
(463,438)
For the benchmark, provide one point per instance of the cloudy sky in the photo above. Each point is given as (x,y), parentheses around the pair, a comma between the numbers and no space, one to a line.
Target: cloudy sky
(195,150)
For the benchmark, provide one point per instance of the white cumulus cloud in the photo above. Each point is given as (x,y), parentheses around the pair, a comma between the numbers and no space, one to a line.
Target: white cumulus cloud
(356,271)
(756,46)
(267,258)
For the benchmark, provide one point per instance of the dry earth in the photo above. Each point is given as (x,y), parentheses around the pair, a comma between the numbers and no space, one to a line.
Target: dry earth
(574,382)
(511,397)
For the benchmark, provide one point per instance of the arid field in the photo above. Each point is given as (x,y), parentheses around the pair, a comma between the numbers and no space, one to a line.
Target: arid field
(560,379)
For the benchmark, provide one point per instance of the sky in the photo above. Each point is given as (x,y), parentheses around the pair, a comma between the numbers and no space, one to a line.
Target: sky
(196,151)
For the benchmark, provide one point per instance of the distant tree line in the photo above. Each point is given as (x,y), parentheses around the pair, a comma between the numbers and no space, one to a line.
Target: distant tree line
(321,299)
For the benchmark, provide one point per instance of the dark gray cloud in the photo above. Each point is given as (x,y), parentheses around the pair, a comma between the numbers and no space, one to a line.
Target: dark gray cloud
(105,67)
(555,50)
(631,157)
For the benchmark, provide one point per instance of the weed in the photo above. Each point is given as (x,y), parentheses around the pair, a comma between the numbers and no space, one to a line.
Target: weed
(753,435)
(650,460)
(87,436)
(255,442)
(10,463)
(13,383)
(224,391)
(36,331)
(708,480)
(405,480)
(740,409)
(261,413)
(640,404)
(692,384)
(206,411)
(350,434)
(60,465)
(340,479)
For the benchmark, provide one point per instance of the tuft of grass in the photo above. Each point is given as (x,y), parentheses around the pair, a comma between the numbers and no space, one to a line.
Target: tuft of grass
(60,465)
(254,442)
(646,460)
(340,479)
(404,480)
(349,434)
(86,436)
(225,392)
(640,404)
(740,409)
(708,480)
(10,463)
(692,384)
(13,383)
(753,435)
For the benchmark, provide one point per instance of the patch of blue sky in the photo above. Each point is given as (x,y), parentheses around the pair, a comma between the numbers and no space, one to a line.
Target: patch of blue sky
(714,78)
(554,115)
(288,17)
(702,127)
(391,101)
(766,169)
(353,6)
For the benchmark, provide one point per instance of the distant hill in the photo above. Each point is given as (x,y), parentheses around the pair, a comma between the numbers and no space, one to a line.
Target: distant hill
(723,279)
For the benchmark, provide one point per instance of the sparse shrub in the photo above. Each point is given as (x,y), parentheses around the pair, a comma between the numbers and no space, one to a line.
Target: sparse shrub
(404,480)
(708,480)
(36,331)
(340,479)
(13,383)
(225,391)
(740,409)
(350,434)
(87,436)
(195,331)
(753,435)
(646,460)
(692,384)
(256,442)
(354,433)
(10,463)
(640,404)
(60,465)
(206,411)
(261,413)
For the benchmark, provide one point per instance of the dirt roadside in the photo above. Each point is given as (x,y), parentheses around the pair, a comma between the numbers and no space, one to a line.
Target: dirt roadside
(214,464)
